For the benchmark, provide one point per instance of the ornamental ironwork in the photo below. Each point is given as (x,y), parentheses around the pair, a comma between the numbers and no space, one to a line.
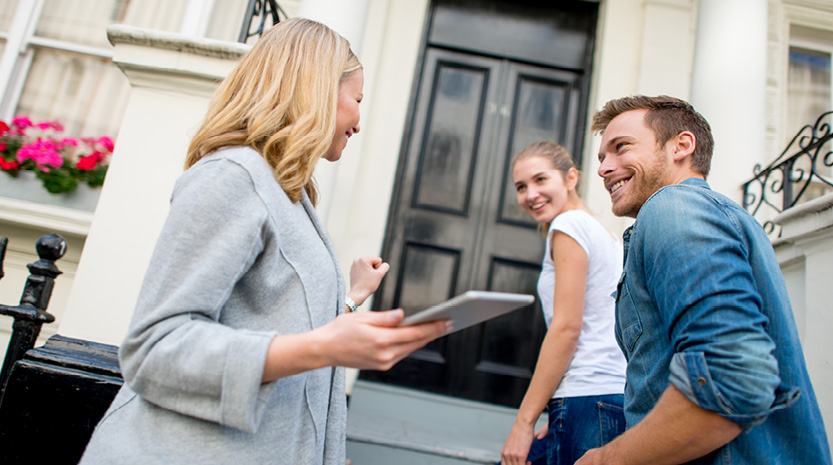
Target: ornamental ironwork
(257,14)
(31,313)
(802,172)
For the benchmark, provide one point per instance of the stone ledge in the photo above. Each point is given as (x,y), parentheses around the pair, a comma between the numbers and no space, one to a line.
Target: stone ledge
(807,218)
(129,35)
(58,219)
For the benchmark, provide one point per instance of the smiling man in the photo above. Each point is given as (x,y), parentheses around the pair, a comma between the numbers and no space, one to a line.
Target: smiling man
(716,374)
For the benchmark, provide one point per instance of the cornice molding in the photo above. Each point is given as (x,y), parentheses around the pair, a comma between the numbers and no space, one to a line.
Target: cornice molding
(58,219)
(119,34)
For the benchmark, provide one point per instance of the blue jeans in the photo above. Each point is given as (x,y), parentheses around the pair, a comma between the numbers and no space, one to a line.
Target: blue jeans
(576,425)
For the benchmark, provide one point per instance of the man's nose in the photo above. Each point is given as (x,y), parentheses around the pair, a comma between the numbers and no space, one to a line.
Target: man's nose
(605,167)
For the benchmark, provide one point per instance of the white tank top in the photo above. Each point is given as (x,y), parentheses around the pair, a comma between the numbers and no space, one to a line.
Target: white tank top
(598,366)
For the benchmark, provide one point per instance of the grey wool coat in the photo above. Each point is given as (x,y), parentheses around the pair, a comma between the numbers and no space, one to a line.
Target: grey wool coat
(236,264)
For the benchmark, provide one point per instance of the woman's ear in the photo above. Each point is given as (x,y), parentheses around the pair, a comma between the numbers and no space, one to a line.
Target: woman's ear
(571,180)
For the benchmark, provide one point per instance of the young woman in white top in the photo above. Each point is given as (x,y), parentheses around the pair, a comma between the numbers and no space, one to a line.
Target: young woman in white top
(580,374)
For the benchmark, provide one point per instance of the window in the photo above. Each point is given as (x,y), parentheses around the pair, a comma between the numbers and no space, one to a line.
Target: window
(809,95)
(810,79)
(56,60)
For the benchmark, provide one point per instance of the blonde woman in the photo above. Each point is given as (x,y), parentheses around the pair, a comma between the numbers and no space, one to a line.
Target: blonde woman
(580,374)
(236,347)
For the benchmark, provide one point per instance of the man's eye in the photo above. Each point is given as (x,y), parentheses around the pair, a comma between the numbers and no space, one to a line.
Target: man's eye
(619,146)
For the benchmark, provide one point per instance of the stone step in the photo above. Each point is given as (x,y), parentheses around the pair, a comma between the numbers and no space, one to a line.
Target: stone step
(394,425)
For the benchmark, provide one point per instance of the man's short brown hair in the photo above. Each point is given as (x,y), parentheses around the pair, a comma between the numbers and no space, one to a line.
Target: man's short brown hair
(667,117)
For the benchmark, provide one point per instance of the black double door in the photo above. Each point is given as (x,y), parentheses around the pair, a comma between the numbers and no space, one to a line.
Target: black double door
(455,224)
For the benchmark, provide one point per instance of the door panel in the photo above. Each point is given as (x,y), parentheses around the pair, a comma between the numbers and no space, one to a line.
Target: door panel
(445,168)
(543,108)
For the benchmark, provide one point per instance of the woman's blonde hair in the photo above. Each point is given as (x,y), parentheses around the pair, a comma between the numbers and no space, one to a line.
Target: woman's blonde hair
(281,100)
(557,155)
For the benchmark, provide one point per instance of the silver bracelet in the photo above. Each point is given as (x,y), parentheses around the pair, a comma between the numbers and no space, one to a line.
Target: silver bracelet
(350,304)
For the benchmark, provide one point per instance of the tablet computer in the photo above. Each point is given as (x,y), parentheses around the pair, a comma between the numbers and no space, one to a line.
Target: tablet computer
(471,308)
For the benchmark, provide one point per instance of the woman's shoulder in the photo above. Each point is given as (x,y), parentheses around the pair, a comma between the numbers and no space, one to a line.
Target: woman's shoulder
(234,168)
(246,157)
(577,218)
(582,226)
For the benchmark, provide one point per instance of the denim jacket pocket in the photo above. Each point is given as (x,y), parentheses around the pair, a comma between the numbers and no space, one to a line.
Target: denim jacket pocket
(628,324)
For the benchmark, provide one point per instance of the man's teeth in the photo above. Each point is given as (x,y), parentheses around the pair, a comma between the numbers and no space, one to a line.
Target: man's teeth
(617,185)
(538,205)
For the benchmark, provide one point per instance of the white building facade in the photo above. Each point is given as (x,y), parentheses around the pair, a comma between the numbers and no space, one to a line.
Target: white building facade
(758,70)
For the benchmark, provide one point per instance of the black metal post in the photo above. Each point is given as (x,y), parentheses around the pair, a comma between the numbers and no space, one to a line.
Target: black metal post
(259,9)
(788,184)
(31,314)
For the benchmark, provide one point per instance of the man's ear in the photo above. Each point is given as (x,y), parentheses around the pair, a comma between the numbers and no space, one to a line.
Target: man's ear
(683,145)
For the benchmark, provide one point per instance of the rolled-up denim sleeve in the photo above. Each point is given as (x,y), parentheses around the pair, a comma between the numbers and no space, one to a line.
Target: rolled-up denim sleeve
(697,271)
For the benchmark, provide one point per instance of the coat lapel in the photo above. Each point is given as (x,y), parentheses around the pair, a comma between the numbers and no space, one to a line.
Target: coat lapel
(313,216)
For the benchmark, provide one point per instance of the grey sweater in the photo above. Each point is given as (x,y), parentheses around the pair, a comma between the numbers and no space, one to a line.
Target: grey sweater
(235,264)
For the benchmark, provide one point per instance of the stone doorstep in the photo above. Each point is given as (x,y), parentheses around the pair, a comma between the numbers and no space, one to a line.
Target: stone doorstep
(427,423)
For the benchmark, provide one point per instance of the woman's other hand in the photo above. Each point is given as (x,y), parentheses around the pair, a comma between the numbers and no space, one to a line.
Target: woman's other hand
(516,447)
(366,274)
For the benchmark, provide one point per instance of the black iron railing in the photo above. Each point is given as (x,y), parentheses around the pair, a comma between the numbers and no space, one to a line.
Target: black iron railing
(802,172)
(31,313)
(257,12)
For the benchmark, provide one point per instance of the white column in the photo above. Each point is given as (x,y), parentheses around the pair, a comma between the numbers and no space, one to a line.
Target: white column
(729,86)
(347,17)
(197,17)
(171,77)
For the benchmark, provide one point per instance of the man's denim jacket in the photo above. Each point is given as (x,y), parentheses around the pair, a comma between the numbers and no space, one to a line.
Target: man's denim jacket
(702,304)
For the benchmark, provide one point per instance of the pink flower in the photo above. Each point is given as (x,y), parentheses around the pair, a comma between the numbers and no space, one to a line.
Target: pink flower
(22,122)
(69,141)
(47,125)
(4,128)
(43,152)
(106,142)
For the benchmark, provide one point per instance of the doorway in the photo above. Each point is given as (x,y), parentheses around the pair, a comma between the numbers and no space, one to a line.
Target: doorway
(495,76)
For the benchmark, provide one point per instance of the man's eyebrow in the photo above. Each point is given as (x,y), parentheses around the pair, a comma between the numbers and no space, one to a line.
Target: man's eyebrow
(617,139)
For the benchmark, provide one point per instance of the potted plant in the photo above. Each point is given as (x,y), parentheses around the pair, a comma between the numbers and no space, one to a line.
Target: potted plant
(59,163)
